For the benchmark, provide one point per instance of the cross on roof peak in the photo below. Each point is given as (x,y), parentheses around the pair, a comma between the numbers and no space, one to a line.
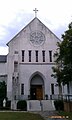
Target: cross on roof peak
(35,12)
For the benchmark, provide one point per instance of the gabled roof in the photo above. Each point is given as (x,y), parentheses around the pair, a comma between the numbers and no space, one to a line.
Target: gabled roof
(3,58)
(30,23)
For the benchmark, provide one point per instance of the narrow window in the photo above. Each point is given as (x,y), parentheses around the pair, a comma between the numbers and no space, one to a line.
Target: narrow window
(29,55)
(23,55)
(50,56)
(52,88)
(22,89)
(15,66)
(36,56)
(43,55)
(68,90)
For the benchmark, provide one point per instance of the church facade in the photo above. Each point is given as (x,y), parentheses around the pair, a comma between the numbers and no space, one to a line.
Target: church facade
(28,67)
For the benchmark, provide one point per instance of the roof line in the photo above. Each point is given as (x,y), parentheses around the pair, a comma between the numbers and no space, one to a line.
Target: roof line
(20,31)
(27,25)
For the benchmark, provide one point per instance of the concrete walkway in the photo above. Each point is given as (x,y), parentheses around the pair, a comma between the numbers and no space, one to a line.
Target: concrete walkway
(47,115)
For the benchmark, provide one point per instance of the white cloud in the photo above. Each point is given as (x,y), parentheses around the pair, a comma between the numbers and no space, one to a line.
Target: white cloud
(3,50)
(15,14)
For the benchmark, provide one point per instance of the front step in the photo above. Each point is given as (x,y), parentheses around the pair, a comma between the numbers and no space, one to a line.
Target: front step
(33,105)
(43,105)
(48,105)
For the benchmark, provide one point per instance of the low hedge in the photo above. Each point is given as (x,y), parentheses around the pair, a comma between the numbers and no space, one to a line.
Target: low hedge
(7,107)
(22,105)
(8,104)
(59,105)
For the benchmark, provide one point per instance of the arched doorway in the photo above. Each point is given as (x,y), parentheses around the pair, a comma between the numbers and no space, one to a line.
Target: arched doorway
(37,87)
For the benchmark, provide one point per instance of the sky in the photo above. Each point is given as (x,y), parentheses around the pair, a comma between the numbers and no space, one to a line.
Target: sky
(16,14)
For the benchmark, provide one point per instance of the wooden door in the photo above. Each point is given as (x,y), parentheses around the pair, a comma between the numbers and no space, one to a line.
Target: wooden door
(39,93)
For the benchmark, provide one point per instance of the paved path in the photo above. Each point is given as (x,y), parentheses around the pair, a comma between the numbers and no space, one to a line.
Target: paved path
(48,114)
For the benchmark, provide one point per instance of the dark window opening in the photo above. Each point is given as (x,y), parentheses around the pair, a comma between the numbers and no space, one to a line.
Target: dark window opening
(52,88)
(22,89)
(36,56)
(43,54)
(50,56)
(30,56)
(23,55)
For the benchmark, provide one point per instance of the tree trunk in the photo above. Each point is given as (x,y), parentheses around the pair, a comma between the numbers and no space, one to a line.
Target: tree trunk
(60,92)
(60,89)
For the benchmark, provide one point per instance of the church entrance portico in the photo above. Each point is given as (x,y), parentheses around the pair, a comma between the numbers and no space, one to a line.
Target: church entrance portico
(37,87)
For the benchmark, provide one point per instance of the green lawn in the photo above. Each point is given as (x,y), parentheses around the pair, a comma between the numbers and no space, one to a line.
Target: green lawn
(19,116)
(69,114)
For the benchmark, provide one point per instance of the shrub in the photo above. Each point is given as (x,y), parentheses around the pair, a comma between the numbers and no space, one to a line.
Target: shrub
(22,105)
(8,104)
(1,104)
(4,108)
(59,105)
(7,107)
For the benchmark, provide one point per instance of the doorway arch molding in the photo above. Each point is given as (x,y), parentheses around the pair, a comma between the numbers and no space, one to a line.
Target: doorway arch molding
(37,73)
(37,85)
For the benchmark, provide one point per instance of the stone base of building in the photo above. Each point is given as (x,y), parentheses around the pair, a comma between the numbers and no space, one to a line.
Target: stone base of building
(40,105)
(36,105)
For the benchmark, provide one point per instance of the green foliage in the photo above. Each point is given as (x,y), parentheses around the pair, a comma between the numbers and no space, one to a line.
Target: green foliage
(22,105)
(63,69)
(8,104)
(3,92)
(57,74)
(3,89)
(59,105)
(7,107)
(68,115)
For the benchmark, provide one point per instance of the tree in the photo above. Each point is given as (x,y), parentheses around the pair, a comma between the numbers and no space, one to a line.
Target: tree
(63,69)
(3,93)
(57,71)
(67,55)
(57,74)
